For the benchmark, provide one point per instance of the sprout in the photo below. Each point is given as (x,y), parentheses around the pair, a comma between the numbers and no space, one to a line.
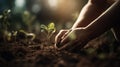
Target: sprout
(4,18)
(6,12)
(14,33)
(49,29)
(43,28)
(30,36)
(24,35)
(4,24)
(28,19)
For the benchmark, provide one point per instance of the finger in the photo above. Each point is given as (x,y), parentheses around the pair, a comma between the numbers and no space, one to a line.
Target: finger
(66,33)
(66,39)
(58,37)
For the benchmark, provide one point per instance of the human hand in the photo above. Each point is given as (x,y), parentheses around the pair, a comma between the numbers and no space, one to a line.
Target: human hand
(71,39)
(59,37)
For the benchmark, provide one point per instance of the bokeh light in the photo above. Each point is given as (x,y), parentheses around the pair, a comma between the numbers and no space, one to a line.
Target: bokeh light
(19,3)
(61,12)
(36,8)
(19,6)
(53,3)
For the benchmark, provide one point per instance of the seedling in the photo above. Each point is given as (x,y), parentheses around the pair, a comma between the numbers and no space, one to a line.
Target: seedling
(4,19)
(49,30)
(21,34)
(28,19)
(4,24)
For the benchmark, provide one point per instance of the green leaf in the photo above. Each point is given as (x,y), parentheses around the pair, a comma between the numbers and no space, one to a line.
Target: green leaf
(51,27)
(6,12)
(43,27)
(22,31)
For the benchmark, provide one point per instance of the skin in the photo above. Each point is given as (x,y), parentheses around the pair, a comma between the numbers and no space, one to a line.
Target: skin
(96,17)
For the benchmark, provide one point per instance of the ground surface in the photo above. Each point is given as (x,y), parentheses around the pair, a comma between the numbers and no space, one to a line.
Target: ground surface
(103,53)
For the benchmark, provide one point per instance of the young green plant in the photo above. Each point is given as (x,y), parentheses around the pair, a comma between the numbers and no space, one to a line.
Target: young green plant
(28,20)
(48,29)
(21,34)
(4,24)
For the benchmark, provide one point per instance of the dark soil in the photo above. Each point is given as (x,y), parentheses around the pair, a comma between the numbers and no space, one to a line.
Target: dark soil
(36,54)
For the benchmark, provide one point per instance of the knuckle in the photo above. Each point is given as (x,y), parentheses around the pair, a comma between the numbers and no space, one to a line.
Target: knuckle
(61,30)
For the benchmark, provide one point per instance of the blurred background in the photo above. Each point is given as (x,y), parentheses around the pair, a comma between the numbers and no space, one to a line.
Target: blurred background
(29,14)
